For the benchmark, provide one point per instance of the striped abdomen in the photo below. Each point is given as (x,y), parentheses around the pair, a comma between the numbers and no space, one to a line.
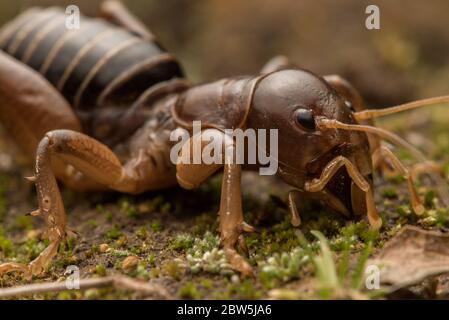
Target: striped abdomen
(97,65)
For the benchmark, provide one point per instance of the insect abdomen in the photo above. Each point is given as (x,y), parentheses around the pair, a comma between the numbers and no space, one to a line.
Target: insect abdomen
(97,65)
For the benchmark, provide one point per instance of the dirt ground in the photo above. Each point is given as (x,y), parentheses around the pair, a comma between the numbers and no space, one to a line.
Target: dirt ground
(169,238)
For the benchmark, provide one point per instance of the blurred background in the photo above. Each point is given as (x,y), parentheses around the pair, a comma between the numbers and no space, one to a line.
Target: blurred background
(408,58)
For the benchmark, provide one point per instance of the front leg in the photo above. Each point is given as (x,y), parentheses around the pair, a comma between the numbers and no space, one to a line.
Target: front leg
(324,195)
(231,218)
(317,185)
(191,175)
(385,153)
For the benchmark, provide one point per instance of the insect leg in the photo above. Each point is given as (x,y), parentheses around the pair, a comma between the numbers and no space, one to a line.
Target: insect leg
(324,196)
(421,168)
(384,152)
(295,220)
(232,226)
(29,107)
(95,161)
(331,169)
(117,13)
(190,173)
(231,218)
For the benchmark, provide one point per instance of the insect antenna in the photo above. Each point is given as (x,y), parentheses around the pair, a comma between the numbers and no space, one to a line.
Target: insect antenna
(395,139)
(371,113)
(385,134)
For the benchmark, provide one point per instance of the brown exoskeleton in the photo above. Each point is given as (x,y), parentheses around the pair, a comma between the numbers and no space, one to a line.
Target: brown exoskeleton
(96,107)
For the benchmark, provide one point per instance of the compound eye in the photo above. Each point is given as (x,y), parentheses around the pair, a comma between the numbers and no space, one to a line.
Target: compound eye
(349,105)
(305,119)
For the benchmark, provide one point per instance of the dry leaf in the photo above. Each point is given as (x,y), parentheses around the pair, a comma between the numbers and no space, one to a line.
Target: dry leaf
(412,256)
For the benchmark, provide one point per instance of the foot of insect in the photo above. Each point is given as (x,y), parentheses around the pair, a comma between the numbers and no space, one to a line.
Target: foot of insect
(231,238)
(35,267)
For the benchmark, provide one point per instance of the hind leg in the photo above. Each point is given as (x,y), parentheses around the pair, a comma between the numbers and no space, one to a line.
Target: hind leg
(29,107)
(97,162)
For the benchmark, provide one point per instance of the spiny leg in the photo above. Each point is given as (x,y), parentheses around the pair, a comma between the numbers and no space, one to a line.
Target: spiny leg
(191,175)
(29,107)
(331,169)
(436,174)
(231,217)
(51,210)
(95,161)
(384,152)
(421,168)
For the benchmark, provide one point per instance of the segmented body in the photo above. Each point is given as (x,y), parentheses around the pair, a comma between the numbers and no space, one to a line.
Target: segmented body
(101,69)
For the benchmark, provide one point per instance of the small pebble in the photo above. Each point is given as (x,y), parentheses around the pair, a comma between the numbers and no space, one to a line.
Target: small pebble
(130,263)
(104,247)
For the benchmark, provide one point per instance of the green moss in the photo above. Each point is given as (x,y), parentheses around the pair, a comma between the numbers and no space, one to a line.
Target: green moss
(33,247)
(67,246)
(282,267)
(92,294)
(121,242)
(154,272)
(430,198)
(189,291)
(23,222)
(173,269)
(114,233)
(65,295)
(436,218)
(151,258)
(100,269)
(6,246)
(404,210)
(92,223)
(390,193)
(127,207)
(156,226)
(67,261)
(120,253)
(142,233)
(182,242)
(106,213)
(141,271)
(154,205)
(206,283)
(244,290)
(205,256)
(203,223)
(165,208)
